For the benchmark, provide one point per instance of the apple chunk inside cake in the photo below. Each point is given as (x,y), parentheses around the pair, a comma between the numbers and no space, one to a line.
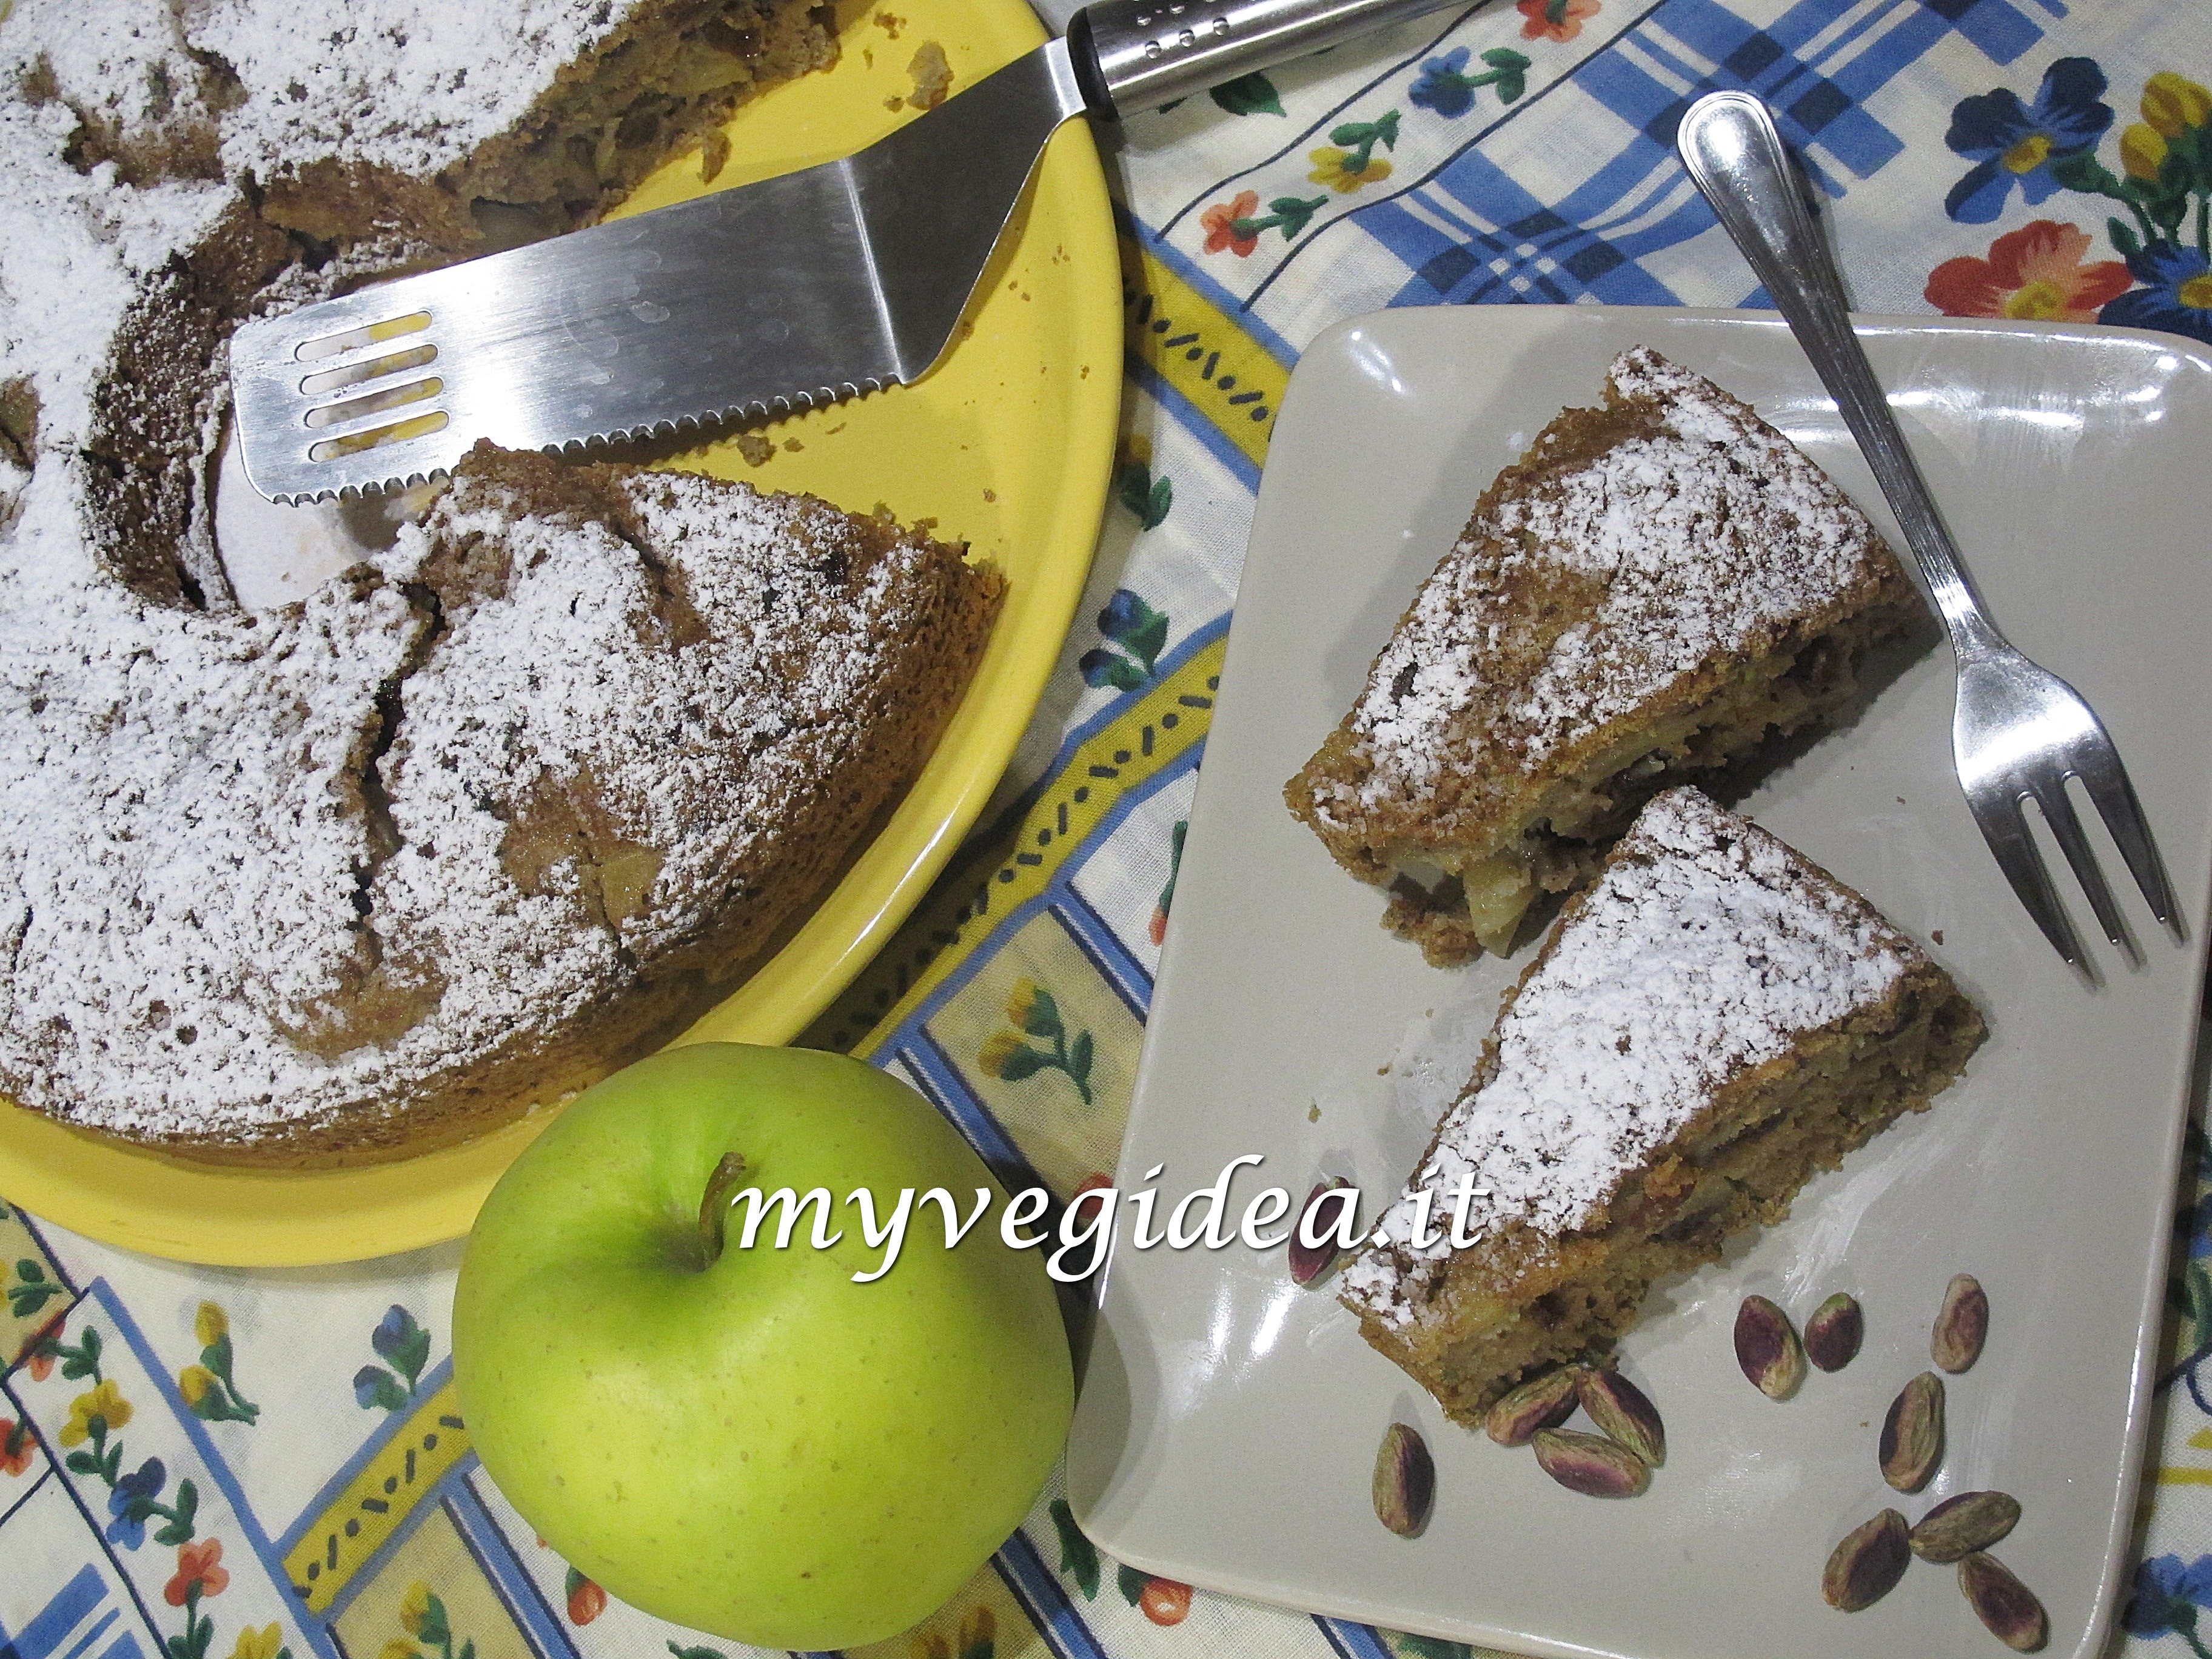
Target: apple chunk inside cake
(1656,589)
(1710,1023)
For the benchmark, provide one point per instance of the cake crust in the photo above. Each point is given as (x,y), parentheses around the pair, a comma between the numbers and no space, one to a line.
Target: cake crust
(1658,588)
(1711,1022)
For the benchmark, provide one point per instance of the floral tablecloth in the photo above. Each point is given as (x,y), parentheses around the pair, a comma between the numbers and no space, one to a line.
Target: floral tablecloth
(215,1464)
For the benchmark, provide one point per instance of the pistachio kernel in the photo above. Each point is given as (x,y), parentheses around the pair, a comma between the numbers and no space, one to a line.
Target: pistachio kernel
(1625,1413)
(1542,1402)
(1959,1526)
(1867,1564)
(1962,1324)
(1590,1463)
(1767,1348)
(1913,1433)
(2000,1601)
(1834,1332)
(1404,1480)
(1310,1261)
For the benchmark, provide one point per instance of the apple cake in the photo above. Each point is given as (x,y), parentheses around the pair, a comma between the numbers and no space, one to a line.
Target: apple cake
(1710,1022)
(1656,589)
(501,805)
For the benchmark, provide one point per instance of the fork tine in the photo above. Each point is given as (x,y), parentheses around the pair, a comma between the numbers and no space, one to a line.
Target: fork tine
(2066,830)
(2097,763)
(2006,831)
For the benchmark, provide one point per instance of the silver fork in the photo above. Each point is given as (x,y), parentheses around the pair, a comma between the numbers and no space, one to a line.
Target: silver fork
(2019,732)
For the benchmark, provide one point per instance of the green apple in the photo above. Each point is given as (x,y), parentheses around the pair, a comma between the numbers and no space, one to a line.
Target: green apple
(752,1442)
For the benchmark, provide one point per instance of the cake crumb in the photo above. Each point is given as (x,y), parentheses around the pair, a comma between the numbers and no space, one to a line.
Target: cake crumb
(1937,935)
(990,495)
(793,444)
(756,449)
(932,75)
(888,23)
(713,155)
(1313,1113)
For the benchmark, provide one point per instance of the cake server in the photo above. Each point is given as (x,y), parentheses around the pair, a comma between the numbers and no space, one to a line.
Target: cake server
(777,296)
(2018,731)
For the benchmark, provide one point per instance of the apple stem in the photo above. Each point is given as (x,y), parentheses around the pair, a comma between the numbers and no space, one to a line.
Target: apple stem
(715,1207)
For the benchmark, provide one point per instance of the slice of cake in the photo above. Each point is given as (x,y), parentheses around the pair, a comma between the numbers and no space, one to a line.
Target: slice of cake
(1654,589)
(1712,1021)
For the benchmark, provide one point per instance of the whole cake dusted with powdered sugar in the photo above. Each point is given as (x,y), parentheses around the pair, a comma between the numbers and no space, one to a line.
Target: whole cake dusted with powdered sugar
(507,801)
(1713,1020)
(1658,589)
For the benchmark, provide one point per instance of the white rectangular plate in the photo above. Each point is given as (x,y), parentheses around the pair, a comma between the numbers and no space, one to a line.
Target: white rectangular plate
(1229,1421)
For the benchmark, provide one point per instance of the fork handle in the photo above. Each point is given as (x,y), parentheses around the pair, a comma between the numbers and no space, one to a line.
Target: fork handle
(1730,145)
(1139,54)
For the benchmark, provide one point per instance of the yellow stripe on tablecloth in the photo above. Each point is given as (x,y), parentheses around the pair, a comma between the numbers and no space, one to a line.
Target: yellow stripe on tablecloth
(2184,1476)
(1019,861)
(1197,349)
(377,1499)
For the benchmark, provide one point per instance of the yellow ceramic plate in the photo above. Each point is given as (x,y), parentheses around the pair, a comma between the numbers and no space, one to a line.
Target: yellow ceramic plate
(1007,445)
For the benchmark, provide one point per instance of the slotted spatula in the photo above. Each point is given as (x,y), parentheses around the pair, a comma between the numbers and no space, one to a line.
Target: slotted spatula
(800,290)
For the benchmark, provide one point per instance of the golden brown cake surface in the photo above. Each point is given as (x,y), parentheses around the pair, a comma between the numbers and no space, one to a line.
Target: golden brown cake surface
(1712,1021)
(1658,587)
(481,817)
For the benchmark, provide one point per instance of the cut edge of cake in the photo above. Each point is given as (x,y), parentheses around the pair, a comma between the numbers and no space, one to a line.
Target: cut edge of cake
(1710,1023)
(1656,590)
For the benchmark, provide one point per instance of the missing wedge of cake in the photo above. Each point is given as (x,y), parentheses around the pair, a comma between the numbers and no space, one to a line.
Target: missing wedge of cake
(1656,589)
(1713,1020)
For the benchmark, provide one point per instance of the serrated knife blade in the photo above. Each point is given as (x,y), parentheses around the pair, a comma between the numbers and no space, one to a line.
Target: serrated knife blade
(799,290)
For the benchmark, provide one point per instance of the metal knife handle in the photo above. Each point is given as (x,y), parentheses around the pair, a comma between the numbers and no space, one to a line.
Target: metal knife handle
(1139,54)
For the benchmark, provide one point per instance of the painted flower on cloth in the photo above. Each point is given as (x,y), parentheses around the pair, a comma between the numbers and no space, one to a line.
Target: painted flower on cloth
(129,1500)
(2168,1596)
(17,1448)
(1223,228)
(105,1402)
(2034,273)
(1344,171)
(1348,161)
(1446,87)
(199,1572)
(414,1609)
(2177,295)
(2015,143)
(1555,20)
(262,1644)
(1034,1014)
(587,1600)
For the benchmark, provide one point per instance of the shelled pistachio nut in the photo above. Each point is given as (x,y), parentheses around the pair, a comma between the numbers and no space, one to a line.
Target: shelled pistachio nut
(1867,1564)
(1625,1413)
(1310,1261)
(2000,1601)
(1767,1348)
(1541,1402)
(1959,1526)
(1913,1433)
(1590,1463)
(1404,1480)
(1962,1324)
(1834,1332)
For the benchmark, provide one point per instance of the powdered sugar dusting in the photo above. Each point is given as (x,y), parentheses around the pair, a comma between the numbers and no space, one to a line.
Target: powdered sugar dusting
(406,84)
(1706,947)
(1707,537)
(177,828)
